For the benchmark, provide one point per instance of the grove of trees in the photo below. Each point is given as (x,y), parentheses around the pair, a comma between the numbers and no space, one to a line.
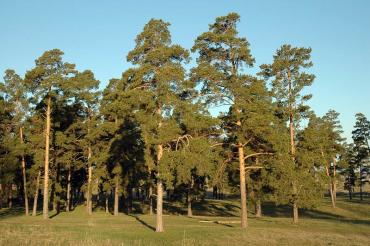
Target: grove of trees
(149,135)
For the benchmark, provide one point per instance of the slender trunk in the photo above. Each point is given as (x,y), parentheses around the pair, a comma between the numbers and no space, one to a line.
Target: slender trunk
(330,187)
(150,200)
(295,212)
(106,204)
(350,193)
(1,195)
(190,211)
(45,207)
(258,208)
(116,197)
(88,196)
(57,193)
(159,224)
(68,205)
(334,180)
(331,194)
(24,175)
(10,196)
(292,151)
(361,191)
(36,196)
(243,192)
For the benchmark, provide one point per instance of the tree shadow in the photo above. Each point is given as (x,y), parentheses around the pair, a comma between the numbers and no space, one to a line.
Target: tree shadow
(143,222)
(208,207)
(6,213)
(272,210)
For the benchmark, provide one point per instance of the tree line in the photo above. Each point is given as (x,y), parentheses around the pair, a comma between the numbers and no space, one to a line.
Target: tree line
(150,132)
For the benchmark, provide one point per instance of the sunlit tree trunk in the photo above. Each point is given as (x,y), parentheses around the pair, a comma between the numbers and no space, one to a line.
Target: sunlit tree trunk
(68,205)
(189,201)
(334,180)
(159,224)
(88,197)
(258,208)
(150,200)
(243,191)
(106,203)
(36,196)
(45,207)
(115,212)
(26,209)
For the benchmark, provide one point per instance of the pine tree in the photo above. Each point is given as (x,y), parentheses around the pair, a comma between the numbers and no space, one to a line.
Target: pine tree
(158,76)
(83,88)
(222,56)
(46,81)
(288,80)
(15,92)
(361,136)
(334,149)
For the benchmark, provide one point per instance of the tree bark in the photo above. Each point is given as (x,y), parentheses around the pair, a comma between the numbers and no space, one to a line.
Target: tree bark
(26,209)
(295,212)
(150,200)
(116,197)
(10,196)
(88,196)
(106,204)
(190,211)
(334,180)
(243,192)
(1,195)
(159,222)
(45,207)
(36,196)
(258,208)
(68,205)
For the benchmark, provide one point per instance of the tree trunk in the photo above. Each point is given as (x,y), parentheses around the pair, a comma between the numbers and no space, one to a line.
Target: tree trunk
(331,194)
(150,200)
(88,196)
(10,196)
(258,208)
(1,195)
(334,180)
(24,174)
(190,211)
(116,197)
(350,193)
(243,192)
(36,196)
(68,205)
(292,151)
(159,224)
(331,187)
(106,204)
(45,207)
(295,212)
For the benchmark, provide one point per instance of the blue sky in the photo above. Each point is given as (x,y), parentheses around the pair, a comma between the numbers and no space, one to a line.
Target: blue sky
(97,35)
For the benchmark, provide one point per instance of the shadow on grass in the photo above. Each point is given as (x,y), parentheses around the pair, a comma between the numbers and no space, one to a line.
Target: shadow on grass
(6,213)
(272,210)
(143,222)
(204,208)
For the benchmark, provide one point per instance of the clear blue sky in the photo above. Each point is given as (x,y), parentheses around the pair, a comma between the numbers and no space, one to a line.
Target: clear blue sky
(97,35)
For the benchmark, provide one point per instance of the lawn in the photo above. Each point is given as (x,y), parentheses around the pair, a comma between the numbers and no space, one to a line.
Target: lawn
(215,223)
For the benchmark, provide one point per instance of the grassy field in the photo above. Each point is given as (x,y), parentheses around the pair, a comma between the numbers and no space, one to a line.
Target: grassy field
(349,224)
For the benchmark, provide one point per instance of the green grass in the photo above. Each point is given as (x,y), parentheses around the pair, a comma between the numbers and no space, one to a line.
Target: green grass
(349,224)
